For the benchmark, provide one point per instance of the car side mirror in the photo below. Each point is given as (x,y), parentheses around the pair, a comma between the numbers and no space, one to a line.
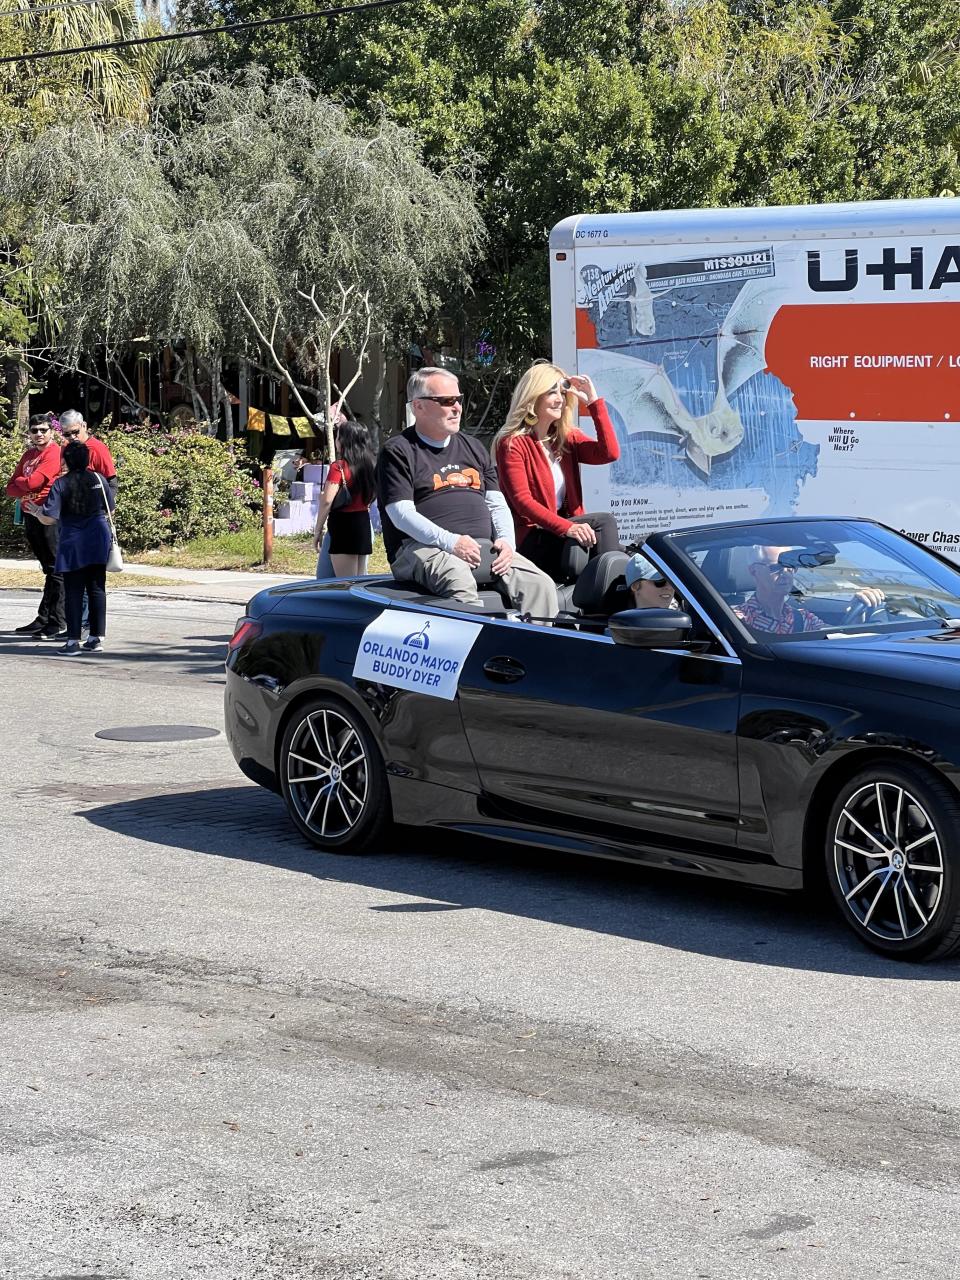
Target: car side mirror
(650,628)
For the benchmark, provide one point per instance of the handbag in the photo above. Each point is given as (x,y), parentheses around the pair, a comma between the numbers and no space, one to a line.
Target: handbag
(115,558)
(343,496)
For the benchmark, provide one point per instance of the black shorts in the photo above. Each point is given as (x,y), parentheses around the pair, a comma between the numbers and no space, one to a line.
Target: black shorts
(350,533)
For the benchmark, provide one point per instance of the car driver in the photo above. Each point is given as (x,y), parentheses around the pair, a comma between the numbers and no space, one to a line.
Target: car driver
(770,611)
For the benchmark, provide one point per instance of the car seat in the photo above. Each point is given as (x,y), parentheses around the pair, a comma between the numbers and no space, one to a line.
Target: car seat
(601,588)
(727,569)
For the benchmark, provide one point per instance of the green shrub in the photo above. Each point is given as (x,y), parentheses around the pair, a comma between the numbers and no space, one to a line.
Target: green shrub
(172,486)
(11,538)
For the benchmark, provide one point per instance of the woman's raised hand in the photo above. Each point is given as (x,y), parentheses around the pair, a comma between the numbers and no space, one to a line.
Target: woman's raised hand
(583,388)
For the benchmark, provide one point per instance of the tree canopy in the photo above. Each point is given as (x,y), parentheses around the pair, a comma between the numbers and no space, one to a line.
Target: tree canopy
(105,87)
(247,217)
(635,104)
(546,108)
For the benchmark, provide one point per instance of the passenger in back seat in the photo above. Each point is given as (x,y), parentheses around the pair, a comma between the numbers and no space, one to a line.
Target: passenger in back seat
(439,500)
(539,452)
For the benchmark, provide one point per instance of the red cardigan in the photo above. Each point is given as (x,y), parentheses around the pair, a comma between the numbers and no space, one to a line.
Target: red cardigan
(527,481)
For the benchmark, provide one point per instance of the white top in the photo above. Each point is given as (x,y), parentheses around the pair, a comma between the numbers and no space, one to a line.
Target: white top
(559,484)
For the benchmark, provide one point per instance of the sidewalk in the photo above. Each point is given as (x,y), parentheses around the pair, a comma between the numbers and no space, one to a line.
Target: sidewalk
(229,585)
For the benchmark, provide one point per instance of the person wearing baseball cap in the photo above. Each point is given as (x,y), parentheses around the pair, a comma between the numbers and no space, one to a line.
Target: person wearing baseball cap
(649,586)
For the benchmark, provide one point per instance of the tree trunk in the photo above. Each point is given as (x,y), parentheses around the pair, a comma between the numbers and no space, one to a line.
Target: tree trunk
(219,399)
(379,359)
(199,409)
(15,388)
(326,393)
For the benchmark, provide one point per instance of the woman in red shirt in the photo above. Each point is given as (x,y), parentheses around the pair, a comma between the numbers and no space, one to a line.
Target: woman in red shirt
(345,502)
(539,451)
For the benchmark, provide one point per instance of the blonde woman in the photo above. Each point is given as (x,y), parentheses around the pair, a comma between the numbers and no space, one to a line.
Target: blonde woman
(539,452)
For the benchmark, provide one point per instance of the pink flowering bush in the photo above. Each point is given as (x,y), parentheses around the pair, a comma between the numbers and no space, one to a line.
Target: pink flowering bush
(171,486)
(176,485)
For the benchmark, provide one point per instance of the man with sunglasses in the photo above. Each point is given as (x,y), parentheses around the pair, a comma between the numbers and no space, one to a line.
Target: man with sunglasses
(32,477)
(440,502)
(769,611)
(73,427)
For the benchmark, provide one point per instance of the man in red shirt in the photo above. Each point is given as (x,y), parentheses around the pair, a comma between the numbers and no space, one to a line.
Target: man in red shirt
(33,475)
(73,427)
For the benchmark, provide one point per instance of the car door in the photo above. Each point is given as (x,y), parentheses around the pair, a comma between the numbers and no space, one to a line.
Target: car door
(571,729)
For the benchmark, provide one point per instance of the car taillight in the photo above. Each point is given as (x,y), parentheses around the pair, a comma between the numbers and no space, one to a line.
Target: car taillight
(246,629)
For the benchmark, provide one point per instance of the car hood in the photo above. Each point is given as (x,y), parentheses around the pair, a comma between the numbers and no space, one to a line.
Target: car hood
(909,662)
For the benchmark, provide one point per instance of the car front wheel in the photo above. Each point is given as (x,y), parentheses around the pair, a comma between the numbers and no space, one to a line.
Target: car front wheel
(333,777)
(893,861)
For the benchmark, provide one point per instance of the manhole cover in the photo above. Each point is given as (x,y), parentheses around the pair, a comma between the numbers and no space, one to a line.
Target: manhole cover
(157,733)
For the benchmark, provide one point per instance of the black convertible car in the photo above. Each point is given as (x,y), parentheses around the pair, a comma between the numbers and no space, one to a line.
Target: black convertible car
(776,747)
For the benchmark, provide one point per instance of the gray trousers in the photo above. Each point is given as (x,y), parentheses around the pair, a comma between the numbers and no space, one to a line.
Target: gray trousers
(441,574)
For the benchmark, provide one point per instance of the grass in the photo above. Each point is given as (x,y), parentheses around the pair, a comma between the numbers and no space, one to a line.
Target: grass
(29,579)
(244,550)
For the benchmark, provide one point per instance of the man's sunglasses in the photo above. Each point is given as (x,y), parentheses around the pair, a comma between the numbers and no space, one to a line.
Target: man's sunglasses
(446,401)
(37,431)
(69,435)
(777,568)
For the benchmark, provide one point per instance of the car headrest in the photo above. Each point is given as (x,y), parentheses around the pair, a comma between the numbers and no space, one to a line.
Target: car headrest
(573,560)
(741,558)
(598,583)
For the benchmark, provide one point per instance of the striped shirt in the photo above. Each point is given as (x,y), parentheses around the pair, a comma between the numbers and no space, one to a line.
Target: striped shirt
(790,620)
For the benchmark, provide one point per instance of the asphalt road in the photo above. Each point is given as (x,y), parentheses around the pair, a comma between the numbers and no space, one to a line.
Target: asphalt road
(224,1056)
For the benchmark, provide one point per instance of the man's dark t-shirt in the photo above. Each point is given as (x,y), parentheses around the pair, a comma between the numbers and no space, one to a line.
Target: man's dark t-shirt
(446,485)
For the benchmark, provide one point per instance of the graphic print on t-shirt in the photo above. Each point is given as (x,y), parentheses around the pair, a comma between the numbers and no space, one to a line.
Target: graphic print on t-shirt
(453,476)
(447,484)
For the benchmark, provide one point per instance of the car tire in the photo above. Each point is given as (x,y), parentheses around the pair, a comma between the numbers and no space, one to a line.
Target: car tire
(893,861)
(333,777)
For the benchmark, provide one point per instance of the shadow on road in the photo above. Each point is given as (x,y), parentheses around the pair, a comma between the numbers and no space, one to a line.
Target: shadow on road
(189,655)
(458,872)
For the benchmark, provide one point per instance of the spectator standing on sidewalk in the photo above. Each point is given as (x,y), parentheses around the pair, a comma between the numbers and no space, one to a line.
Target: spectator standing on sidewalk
(79,501)
(32,478)
(73,427)
(345,502)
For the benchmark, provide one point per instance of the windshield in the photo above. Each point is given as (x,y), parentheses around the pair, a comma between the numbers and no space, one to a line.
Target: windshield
(822,577)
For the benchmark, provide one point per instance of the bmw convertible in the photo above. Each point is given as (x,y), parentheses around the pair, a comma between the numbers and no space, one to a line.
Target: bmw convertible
(791,720)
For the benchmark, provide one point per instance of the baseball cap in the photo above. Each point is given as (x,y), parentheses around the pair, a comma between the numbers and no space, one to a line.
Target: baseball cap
(639,569)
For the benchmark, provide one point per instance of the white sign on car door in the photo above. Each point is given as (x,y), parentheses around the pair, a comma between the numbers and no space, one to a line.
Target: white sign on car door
(416,651)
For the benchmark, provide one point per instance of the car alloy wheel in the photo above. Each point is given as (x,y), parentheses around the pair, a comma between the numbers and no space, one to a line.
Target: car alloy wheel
(333,777)
(890,861)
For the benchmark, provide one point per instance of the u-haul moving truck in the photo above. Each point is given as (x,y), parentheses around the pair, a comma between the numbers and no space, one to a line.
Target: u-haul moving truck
(770,361)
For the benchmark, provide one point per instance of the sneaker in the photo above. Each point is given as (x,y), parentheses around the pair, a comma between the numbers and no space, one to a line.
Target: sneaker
(31,629)
(93,644)
(70,650)
(53,632)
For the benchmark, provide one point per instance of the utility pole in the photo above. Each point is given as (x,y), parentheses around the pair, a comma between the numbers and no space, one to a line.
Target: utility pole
(267,482)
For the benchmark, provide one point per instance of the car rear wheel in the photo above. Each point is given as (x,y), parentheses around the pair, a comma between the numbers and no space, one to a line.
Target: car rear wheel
(893,861)
(333,777)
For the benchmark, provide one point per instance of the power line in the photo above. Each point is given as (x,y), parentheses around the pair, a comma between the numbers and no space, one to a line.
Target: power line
(203,31)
